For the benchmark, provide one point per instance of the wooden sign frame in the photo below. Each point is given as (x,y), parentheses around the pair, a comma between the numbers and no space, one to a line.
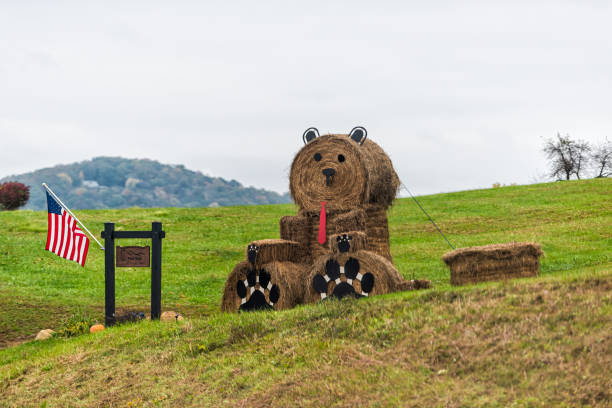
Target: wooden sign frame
(110,235)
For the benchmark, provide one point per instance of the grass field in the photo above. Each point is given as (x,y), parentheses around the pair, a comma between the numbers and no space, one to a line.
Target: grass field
(535,342)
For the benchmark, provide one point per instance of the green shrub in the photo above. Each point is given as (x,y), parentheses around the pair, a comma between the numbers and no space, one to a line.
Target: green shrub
(75,325)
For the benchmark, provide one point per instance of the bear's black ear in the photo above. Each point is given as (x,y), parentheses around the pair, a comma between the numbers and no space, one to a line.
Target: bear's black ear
(359,134)
(310,134)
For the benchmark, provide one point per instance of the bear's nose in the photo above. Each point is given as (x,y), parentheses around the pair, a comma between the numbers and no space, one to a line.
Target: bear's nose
(328,173)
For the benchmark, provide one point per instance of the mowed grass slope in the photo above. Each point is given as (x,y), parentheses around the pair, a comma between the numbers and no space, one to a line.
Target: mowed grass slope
(534,342)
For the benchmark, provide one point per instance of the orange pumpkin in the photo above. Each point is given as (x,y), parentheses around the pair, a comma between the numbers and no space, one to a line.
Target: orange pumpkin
(96,328)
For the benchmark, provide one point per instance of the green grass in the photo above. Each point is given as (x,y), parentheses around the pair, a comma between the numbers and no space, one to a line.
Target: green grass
(534,342)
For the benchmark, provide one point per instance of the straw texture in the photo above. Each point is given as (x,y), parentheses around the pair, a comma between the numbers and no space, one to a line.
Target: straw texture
(280,250)
(386,278)
(364,175)
(493,262)
(358,184)
(287,276)
(377,229)
(353,240)
(296,228)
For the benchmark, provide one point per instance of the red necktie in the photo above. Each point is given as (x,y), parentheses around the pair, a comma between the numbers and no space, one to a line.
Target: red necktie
(322,235)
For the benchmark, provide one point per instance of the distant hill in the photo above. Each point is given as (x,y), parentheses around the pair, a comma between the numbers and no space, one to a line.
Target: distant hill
(114,182)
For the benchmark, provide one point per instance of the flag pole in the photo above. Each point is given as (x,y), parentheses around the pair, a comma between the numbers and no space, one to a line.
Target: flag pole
(70,212)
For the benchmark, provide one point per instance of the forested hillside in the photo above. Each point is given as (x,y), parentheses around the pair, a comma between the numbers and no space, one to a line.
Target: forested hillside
(114,182)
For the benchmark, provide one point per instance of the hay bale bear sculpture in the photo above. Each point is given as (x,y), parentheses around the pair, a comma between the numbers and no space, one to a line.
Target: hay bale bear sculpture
(338,244)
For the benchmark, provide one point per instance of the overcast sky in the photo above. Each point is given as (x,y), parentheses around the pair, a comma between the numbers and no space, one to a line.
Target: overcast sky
(458,93)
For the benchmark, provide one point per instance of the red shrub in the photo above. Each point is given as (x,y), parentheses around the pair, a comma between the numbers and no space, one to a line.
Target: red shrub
(13,195)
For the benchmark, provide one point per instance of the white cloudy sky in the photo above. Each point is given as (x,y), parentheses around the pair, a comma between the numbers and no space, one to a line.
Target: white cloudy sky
(459,93)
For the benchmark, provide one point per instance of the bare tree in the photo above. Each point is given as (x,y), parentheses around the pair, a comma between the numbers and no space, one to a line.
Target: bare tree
(581,156)
(557,152)
(601,159)
(566,156)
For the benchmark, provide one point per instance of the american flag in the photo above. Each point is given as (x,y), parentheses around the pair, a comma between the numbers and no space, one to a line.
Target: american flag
(64,237)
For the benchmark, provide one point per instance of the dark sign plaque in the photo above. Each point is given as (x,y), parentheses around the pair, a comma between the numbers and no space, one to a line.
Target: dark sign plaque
(133,256)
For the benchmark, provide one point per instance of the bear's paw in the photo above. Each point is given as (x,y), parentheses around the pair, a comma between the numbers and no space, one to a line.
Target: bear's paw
(257,292)
(342,281)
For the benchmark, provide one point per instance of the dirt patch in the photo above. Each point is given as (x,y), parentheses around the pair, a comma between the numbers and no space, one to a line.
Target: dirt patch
(26,317)
(22,318)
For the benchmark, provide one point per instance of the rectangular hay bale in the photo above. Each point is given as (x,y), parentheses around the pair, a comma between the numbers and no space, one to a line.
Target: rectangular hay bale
(351,221)
(377,228)
(493,262)
(358,241)
(297,229)
(278,250)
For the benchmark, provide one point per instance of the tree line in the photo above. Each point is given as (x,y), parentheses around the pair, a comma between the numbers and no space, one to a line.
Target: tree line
(569,158)
(114,182)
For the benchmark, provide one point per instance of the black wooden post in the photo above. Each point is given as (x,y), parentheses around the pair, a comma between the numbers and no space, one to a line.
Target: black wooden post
(109,273)
(156,258)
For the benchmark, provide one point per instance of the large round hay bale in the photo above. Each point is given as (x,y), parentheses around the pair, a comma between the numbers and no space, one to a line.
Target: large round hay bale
(338,271)
(274,286)
(363,174)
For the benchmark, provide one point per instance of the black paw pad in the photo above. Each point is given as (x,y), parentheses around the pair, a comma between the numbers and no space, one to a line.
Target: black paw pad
(344,242)
(252,251)
(257,292)
(345,278)
(274,294)
(343,290)
(251,277)
(351,269)
(332,269)
(264,278)
(241,289)
(320,284)
(367,283)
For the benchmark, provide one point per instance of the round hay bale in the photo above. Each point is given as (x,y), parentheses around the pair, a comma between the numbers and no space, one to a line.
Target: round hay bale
(274,286)
(360,273)
(362,174)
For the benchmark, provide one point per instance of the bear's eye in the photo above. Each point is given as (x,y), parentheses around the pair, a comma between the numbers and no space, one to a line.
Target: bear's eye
(317,157)
(341,158)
